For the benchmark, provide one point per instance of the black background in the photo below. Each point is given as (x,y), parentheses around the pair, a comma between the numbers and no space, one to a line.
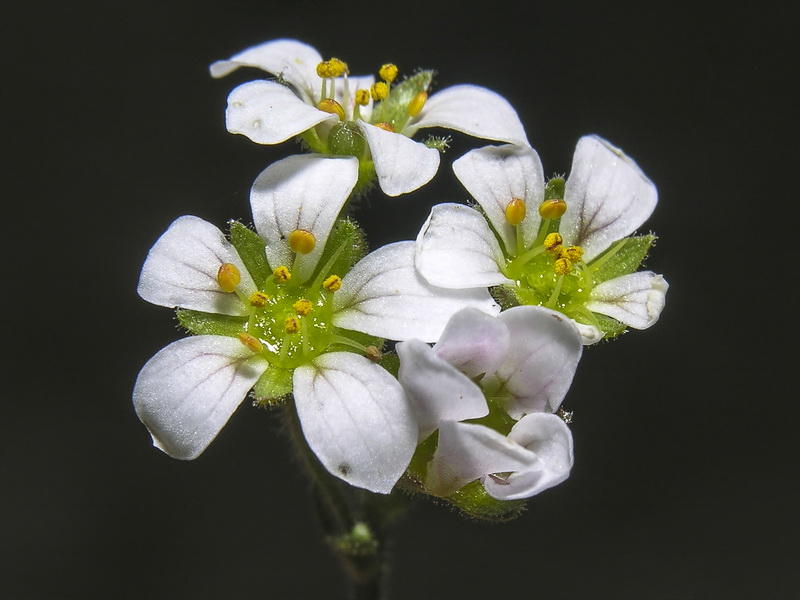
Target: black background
(685,483)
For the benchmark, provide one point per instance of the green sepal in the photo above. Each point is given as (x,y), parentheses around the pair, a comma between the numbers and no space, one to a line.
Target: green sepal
(348,236)
(201,323)
(394,109)
(252,250)
(475,501)
(554,188)
(624,257)
(274,385)
(611,328)
(311,141)
(391,362)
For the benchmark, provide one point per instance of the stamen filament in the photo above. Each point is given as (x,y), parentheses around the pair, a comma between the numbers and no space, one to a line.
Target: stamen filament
(528,256)
(304,334)
(317,285)
(284,349)
(551,303)
(344,341)
(607,256)
(520,241)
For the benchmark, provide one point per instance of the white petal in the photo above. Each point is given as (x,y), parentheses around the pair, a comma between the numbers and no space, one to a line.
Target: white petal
(495,175)
(383,295)
(356,419)
(545,350)
(187,392)
(474,343)
(589,333)
(636,299)
(473,110)
(551,440)
(467,452)
(401,164)
(457,249)
(301,192)
(295,62)
(608,197)
(436,390)
(181,269)
(270,113)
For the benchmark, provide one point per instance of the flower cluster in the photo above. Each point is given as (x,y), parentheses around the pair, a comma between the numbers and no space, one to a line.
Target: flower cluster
(440,362)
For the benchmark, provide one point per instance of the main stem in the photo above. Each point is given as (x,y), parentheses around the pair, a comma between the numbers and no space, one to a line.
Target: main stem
(356,522)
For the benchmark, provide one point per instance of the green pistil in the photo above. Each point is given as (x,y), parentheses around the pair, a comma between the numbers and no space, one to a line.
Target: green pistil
(536,283)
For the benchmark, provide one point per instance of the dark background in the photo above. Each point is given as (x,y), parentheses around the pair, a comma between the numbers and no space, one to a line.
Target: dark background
(685,483)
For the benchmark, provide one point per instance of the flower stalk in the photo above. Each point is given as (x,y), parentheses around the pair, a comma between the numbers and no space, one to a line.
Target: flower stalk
(356,523)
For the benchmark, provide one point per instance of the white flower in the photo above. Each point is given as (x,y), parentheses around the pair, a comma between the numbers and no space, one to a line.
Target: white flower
(535,456)
(523,361)
(280,310)
(580,262)
(298,103)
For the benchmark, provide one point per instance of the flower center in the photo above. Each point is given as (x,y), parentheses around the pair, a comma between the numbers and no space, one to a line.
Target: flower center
(293,323)
(393,106)
(289,322)
(548,273)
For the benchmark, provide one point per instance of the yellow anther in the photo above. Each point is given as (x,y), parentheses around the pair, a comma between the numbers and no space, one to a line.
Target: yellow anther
(362,97)
(385,126)
(552,208)
(302,241)
(373,353)
(563,266)
(291,325)
(388,72)
(379,90)
(250,342)
(324,69)
(332,283)
(329,105)
(302,307)
(282,274)
(338,67)
(258,299)
(228,277)
(515,211)
(553,241)
(417,102)
(573,253)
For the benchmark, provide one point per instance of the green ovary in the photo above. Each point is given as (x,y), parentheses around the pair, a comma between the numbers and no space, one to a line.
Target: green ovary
(282,346)
(538,284)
